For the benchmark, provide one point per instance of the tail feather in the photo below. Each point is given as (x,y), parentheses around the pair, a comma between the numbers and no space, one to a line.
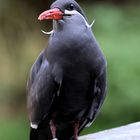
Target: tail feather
(41,133)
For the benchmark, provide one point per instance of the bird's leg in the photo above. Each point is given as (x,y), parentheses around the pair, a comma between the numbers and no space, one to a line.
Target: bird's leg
(76,126)
(53,130)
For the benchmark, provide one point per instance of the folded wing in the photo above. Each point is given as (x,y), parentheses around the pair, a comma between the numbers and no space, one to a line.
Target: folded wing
(41,91)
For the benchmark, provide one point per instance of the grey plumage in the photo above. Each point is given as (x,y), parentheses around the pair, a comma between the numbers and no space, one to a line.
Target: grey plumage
(68,80)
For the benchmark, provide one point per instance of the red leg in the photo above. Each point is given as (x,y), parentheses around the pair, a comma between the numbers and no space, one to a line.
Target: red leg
(76,126)
(53,130)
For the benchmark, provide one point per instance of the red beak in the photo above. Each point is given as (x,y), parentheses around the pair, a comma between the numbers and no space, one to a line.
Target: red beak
(54,14)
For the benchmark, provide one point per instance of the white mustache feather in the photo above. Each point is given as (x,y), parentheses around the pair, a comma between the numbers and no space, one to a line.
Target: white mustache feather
(92,23)
(74,12)
(47,33)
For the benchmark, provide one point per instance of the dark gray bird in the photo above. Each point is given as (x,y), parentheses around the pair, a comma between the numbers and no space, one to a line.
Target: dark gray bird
(67,83)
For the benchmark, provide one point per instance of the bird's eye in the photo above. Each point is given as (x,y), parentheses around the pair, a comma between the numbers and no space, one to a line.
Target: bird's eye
(70,7)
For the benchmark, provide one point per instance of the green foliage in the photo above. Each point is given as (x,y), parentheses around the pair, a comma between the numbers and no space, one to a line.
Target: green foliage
(14,129)
(117,31)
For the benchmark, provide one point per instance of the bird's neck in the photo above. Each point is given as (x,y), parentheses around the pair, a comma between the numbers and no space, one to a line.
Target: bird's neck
(57,25)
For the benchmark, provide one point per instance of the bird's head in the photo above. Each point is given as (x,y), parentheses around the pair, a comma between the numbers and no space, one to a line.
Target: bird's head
(65,11)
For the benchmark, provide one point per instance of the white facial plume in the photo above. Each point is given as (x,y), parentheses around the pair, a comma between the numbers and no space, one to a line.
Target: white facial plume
(47,33)
(74,12)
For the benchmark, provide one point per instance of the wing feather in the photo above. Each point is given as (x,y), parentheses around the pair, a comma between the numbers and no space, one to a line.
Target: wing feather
(99,93)
(41,90)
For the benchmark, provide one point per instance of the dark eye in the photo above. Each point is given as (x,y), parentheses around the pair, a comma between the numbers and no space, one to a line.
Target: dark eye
(70,7)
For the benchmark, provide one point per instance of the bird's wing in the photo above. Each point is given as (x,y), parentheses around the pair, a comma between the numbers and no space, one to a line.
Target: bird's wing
(99,93)
(41,90)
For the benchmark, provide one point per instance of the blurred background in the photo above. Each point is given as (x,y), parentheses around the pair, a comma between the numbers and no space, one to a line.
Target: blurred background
(117,29)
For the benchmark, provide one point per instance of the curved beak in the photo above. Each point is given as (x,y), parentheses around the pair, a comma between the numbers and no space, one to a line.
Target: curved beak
(54,14)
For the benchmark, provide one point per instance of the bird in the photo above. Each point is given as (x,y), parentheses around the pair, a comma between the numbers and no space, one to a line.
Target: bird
(67,83)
